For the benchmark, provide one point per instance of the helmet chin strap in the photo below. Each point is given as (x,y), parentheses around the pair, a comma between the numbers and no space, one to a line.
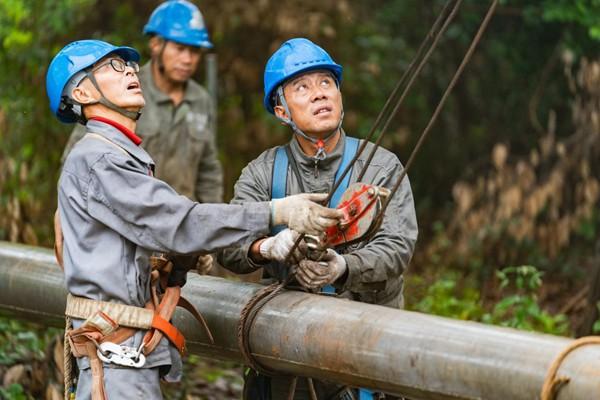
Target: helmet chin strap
(134,115)
(319,143)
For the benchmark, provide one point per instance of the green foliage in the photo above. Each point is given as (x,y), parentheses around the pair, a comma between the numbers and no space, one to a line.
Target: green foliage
(596,326)
(520,308)
(21,341)
(445,298)
(13,392)
(585,13)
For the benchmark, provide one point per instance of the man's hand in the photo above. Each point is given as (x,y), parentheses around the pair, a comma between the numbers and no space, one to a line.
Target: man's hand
(301,213)
(204,264)
(181,266)
(316,274)
(277,248)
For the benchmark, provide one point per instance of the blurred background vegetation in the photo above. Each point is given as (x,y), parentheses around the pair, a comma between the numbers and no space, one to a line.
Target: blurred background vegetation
(506,188)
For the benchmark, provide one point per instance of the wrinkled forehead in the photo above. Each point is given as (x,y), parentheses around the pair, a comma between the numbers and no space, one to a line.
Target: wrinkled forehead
(313,74)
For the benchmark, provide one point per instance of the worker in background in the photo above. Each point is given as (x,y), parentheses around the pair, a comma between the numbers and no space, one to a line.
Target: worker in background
(178,124)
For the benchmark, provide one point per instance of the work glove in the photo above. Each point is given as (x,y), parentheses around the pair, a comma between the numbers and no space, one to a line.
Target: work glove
(181,266)
(277,248)
(204,264)
(316,274)
(301,213)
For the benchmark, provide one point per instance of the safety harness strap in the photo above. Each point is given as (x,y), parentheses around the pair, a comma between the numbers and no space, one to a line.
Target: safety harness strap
(279,181)
(131,316)
(122,314)
(350,148)
(280,167)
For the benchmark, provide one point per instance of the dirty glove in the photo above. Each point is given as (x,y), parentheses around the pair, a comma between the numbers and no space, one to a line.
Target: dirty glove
(276,248)
(204,264)
(316,274)
(181,266)
(300,213)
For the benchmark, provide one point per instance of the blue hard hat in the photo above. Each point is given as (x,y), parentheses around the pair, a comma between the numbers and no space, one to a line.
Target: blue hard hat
(179,21)
(292,58)
(73,58)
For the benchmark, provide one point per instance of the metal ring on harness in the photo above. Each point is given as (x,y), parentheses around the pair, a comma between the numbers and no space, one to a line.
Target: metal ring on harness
(124,356)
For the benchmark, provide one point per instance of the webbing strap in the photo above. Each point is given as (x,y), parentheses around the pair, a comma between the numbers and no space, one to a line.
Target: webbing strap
(350,148)
(279,181)
(169,330)
(122,314)
(126,316)
(280,167)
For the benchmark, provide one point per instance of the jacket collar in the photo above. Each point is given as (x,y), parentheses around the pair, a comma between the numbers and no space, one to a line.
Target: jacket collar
(331,162)
(118,137)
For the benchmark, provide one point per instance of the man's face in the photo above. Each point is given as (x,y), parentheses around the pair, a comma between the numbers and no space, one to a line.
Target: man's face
(118,81)
(179,61)
(315,102)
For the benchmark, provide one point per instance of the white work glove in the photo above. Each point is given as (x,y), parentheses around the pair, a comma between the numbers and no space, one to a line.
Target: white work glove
(204,264)
(316,274)
(301,213)
(276,248)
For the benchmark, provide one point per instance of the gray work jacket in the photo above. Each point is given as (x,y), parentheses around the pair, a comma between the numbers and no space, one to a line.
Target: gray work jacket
(181,139)
(374,268)
(115,214)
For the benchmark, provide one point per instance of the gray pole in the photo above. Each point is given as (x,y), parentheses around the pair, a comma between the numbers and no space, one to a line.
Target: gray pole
(210,63)
(400,352)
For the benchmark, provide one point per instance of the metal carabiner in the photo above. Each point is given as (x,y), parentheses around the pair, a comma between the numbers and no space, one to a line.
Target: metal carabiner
(113,353)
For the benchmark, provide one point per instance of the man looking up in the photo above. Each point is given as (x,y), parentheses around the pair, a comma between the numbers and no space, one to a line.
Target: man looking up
(302,89)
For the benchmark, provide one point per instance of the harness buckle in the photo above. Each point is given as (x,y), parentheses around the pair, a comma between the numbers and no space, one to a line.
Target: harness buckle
(124,356)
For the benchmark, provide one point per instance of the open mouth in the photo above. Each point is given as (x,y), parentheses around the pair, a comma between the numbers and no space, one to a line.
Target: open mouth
(322,110)
(133,85)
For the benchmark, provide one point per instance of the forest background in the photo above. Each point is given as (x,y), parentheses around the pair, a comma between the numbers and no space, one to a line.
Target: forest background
(506,188)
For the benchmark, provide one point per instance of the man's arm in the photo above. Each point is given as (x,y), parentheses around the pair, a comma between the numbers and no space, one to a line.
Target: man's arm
(151,214)
(252,185)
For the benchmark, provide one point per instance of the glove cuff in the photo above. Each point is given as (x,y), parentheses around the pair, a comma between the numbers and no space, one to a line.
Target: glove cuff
(265,248)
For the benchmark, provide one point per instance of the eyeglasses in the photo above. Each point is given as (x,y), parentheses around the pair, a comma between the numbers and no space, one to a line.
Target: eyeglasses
(119,65)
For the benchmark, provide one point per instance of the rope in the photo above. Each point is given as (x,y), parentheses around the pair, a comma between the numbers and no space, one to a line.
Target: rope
(552,383)
(247,317)
(68,362)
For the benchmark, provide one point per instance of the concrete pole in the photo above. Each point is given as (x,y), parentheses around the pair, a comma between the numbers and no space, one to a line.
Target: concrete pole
(399,352)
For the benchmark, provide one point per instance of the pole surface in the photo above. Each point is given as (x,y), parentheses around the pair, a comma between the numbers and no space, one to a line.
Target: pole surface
(400,352)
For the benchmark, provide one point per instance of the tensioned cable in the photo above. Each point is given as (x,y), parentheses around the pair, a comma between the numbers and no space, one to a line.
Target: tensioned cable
(441,103)
(408,87)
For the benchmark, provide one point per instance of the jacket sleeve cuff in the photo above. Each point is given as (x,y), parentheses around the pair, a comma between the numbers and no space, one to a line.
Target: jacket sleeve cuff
(352,273)
(246,249)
